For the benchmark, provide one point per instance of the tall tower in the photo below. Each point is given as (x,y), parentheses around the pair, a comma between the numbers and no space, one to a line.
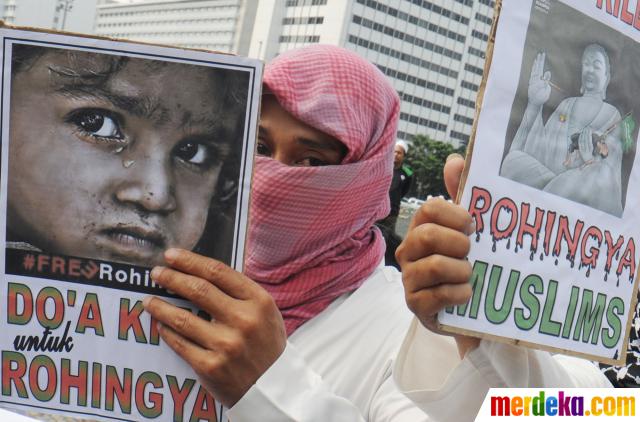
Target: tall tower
(432,50)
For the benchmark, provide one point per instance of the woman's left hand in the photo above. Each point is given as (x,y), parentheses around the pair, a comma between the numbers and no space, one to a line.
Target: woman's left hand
(245,336)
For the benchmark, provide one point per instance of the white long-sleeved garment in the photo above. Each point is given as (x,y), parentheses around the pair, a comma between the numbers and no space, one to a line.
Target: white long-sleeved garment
(338,367)
(429,371)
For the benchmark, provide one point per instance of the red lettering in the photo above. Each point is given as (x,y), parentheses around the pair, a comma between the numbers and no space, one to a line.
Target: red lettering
(479,195)
(531,230)
(592,258)
(16,290)
(96,385)
(204,407)
(570,240)
(57,265)
(79,382)
(628,259)
(58,307)
(117,390)
(154,408)
(90,315)
(43,262)
(130,320)
(47,392)
(616,8)
(510,207)
(611,248)
(626,16)
(14,368)
(74,267)
(548,228)
(179,395)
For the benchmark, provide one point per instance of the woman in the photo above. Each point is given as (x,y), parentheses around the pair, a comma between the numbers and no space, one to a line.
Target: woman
(310,331)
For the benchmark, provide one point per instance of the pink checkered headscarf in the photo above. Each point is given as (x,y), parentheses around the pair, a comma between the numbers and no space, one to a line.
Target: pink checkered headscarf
(311,234)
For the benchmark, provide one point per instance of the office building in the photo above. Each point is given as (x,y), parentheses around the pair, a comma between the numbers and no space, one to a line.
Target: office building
(432,50)
(220,25)
(67,15)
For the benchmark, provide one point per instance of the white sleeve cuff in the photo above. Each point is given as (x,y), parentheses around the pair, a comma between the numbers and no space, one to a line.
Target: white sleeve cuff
(430,373)
(290,391)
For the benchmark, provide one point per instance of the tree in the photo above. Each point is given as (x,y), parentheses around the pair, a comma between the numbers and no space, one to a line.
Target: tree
(426,158)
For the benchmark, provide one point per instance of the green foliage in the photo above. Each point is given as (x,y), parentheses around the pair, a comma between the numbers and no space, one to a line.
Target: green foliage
(627,127)
(427,157)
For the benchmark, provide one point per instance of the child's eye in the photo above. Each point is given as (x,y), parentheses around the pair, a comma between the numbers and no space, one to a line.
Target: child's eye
(196,153)
(97,123)
(192,152)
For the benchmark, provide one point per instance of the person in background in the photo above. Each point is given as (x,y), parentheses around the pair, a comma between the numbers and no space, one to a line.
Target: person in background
(400,183)
(628,375)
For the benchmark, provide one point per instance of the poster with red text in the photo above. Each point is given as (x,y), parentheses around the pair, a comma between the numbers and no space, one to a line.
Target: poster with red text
(112,152)
(553,182)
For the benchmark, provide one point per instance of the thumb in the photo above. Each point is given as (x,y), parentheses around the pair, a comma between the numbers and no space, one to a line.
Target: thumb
(452,173)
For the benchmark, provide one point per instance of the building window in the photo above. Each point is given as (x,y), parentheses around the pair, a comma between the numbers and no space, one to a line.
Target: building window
(459,136)
(479,35)
(424,103)
(292,3)
(416,81)
(489,3)
(411,118)
(484,19)
(473,69)
(463,119)
(299,38)
(402,56)
(441,11)
(406,37)
(476,52)
(466,102)
(415,20)
(311,20)
(469,85)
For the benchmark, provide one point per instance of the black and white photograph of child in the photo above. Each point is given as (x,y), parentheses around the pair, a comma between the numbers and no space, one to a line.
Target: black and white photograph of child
(118,158)
(573,130)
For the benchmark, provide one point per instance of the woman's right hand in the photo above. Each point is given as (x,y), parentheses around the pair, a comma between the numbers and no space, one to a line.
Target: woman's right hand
(435,271)
(539,87)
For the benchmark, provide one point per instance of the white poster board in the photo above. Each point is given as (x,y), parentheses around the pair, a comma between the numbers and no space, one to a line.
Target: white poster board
(111,153)
(553,181)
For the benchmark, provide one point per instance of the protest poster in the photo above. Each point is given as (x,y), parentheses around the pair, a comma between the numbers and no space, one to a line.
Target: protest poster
(552,180)
(112,152)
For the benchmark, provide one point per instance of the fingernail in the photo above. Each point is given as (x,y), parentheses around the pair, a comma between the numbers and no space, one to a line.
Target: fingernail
(471,228)
(145,301)
(156,271)
(453,155)
(431,198)
(171,254)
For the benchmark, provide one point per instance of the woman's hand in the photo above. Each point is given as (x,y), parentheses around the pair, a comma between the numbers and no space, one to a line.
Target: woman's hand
(435,271)
(245,336)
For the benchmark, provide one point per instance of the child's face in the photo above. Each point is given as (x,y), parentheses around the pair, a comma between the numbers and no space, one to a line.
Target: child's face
(119,170)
